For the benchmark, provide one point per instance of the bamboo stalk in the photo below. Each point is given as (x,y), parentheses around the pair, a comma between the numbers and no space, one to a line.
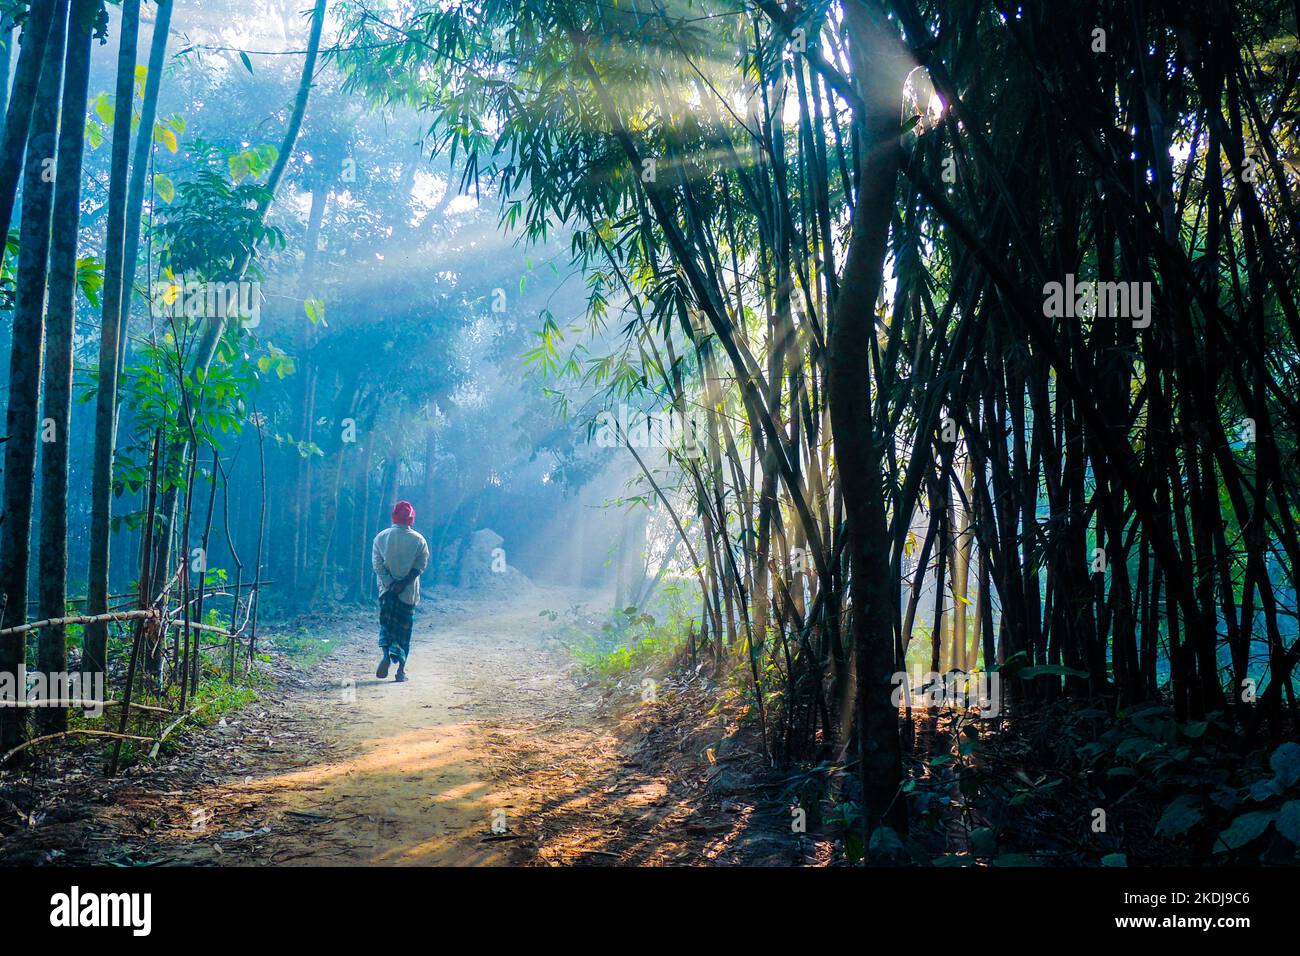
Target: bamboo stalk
(145,564)
(70,733)
(193,625)
(83,704)
(79,619)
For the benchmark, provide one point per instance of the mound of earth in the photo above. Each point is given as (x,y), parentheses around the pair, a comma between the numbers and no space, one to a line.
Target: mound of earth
(480,564)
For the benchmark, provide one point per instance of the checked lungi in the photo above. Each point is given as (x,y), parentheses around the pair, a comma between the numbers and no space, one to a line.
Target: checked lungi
(395,620)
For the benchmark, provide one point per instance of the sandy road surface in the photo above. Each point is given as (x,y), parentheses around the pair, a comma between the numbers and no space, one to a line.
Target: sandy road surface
(404,776)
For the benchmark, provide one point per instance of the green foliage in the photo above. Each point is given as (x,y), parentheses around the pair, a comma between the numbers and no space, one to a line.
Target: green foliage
(1214,796)
(215,223)
(304,647)
(218,400)
(217,697)
(629,641)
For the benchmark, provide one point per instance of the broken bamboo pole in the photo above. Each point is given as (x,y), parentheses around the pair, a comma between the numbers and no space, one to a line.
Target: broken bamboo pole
(79,619)
(69,733)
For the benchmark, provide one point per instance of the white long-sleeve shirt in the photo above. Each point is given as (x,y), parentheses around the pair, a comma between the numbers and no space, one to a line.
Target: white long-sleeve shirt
(396,552)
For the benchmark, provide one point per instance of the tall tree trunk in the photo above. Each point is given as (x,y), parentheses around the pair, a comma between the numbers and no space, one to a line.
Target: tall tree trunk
(962,660)
(140,169)
(6,60)
(25,367)
(95,642)
(939,513)
(52,651)
(305,389)
(357,590)
(22,98)
(878,72)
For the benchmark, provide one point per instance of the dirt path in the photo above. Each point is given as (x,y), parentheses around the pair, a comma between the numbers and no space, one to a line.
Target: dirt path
(494,752)
(408,773)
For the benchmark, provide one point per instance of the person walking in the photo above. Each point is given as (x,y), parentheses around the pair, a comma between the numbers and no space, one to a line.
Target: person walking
(399,555)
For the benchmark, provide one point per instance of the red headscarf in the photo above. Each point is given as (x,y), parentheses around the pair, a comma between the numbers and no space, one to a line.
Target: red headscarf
(404,513)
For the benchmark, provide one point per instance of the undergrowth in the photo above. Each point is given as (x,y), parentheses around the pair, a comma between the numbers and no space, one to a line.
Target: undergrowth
(625,640)
(304,647)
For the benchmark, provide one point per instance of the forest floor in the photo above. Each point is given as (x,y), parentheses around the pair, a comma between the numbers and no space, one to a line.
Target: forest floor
(497,750)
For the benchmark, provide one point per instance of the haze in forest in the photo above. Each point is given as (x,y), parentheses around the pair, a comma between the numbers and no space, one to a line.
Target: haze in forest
(427,310)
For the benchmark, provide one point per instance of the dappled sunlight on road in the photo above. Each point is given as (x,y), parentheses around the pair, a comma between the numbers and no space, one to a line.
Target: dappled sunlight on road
(409,779)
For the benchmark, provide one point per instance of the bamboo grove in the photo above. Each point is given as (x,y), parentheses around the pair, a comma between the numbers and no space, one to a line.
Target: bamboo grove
(168,403)
(977,323)
(827,233)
